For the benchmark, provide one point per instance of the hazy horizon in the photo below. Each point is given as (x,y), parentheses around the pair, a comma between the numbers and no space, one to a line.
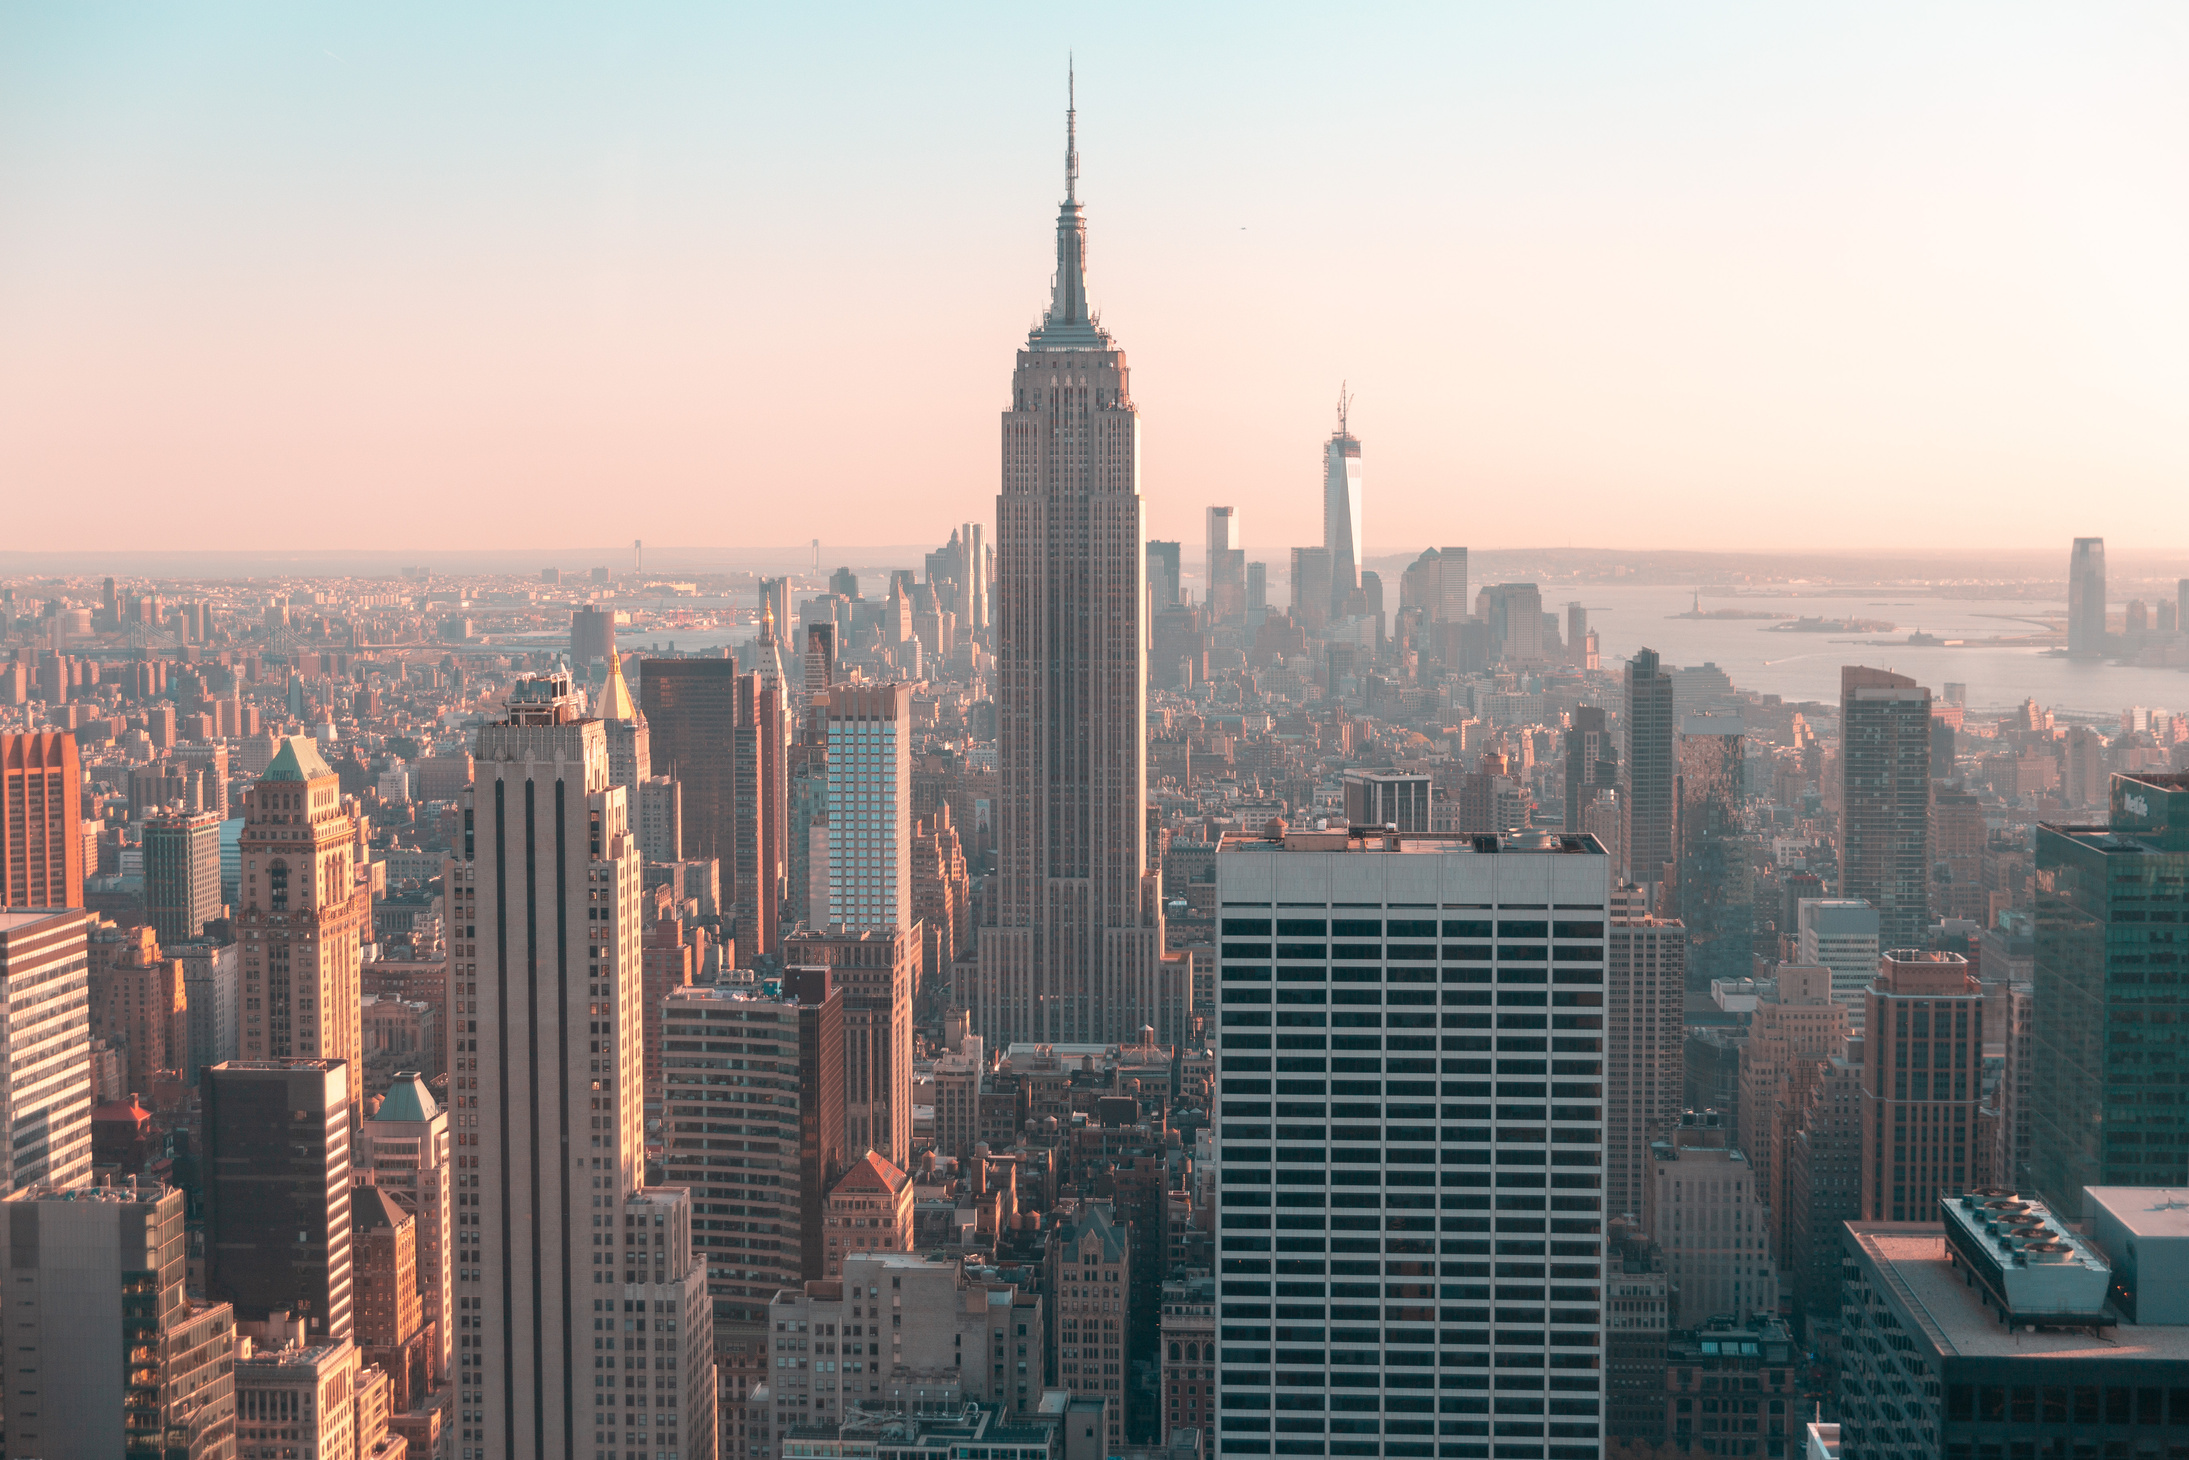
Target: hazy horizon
(1717,278)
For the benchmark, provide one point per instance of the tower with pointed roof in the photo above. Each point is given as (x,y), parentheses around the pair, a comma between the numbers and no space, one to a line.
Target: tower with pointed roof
(303,915)
(403,1148)
(1342,507)
(1074,954)
(630,749)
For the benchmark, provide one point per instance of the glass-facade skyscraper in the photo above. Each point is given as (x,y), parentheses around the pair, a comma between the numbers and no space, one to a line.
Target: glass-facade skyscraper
(1650,769)
(2086,597)
(1885,807)
(2112,954)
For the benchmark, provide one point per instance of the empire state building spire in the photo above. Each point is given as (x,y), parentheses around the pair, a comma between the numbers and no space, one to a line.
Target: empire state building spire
(1073,953)
(1069,325)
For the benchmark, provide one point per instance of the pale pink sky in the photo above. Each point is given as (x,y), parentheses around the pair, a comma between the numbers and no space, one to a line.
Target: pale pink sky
(1712,277)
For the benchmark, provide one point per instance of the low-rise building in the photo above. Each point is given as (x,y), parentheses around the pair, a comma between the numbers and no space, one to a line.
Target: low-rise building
(1187,1333)
(899,1335)
(1636,1329)
(1709,1219)
(1731,1388)
(869,1210)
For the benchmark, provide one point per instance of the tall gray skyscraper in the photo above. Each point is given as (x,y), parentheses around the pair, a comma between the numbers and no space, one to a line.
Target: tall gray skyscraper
(1311,587)
(1716,900)
(1885,800)
(1226,564)
(2086,597)
(1163,573)
(1075,951)
(182,873)
(1592,763)
(1342,508)
(1650,769)
(550,1140)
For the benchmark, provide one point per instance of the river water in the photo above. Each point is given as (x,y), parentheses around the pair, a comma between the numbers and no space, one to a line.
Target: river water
(1805,666)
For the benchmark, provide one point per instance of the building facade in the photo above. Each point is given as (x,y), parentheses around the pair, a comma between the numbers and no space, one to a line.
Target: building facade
(46,1095)
(41,821)
(1885,800)
(403,1148)
(1342,511)
(277,1192)
(2086,619)
(1378,979)
(107,1355)
(565,1245)
(897,1335)
(304,914)
(1922,1084)
(869,807)
(868,1210)
(182,873)
(757,1149)
(1076,945)
(1840,934)
(1187,1331)
(2107,976)
(1708,1218)
(876,970)
(1939,1361)
(1645,989)
(1090,1272)
(1651,770)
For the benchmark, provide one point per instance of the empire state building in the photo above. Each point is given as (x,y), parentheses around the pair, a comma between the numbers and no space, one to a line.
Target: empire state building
(1076,951)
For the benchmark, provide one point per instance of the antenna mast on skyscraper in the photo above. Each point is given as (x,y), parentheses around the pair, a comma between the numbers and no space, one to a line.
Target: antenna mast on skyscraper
(1071,129)
(1345,406)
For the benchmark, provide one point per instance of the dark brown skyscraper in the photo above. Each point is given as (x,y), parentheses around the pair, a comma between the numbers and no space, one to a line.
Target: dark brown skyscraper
(1885,800)
(277,1191)
(691,712)
(719,733)
(821,1160)
(41,821)
(1650,769)
(592,635)
(753,870)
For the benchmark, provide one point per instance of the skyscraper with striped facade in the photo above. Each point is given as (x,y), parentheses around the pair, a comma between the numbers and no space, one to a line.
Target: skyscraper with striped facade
(1410,1144)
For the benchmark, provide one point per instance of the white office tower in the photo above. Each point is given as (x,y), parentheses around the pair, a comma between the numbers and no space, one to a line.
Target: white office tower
(1342,508)
(583,1327)
(1841,933)
(45,1084)
(1410,1108)
(869,806)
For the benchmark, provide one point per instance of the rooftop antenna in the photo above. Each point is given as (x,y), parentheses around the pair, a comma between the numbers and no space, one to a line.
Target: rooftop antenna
(1345,406)
(1071,130)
